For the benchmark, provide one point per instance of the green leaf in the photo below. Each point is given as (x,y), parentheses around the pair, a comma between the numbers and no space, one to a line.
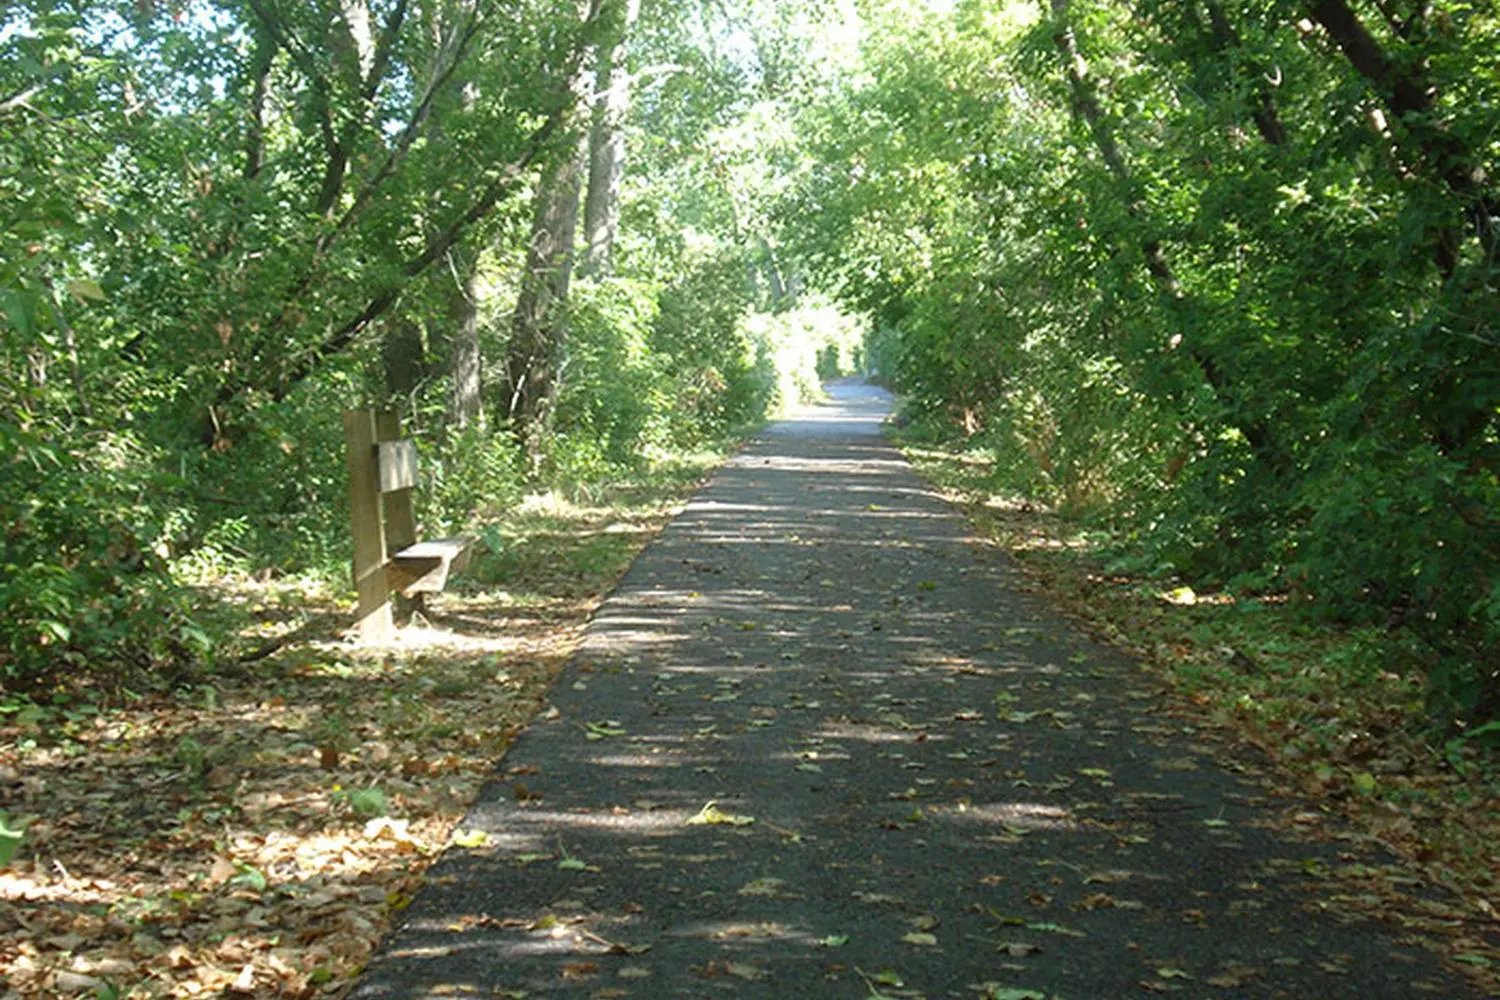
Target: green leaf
(250,877)
(369,802)
(11,835)
(601,730)
(85,289)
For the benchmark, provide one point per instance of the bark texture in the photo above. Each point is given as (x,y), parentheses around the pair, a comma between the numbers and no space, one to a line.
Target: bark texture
(611,103)
(538,324)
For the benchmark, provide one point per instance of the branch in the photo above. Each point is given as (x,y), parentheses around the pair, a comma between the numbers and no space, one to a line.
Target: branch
(404,141)
(1267,119)
(383,50)
(435,249)
(21,99)
(1405,94)
(323,103)
(437,245)
(1410,98)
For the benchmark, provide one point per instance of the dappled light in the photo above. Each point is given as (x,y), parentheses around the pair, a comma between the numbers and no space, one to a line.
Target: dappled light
(1022,816)
(911,499)
(782,768)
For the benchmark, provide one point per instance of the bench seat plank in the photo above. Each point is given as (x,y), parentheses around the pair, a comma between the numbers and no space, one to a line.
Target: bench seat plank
(423,568)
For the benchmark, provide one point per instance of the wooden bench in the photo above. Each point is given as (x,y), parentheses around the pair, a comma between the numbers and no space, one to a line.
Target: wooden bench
(387,556)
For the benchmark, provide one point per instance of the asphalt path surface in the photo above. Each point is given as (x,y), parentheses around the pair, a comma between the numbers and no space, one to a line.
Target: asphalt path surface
(819,743)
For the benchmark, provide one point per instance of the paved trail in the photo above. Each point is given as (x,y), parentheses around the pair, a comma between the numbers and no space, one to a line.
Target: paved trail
(950,787)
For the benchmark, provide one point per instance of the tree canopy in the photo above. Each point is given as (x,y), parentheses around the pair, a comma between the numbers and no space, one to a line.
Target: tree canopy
(1219,276)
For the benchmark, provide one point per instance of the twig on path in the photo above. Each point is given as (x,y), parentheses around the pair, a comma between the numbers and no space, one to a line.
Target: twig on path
(791,835)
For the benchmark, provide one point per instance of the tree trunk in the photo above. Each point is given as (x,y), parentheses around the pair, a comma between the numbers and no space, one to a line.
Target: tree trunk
(465,364)
(260,75)
(773,273)
(538,324)
(401,356)
(610,104)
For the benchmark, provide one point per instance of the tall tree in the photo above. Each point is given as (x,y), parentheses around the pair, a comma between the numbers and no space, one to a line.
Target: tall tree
(609,107)
(538,324)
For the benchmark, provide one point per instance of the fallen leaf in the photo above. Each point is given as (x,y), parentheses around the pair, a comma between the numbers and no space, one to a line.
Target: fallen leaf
(712,815)
(920,938)
(1095,901)
(994,991)
(879,899)
(772,888)
(752,973)
(600,730)
(222,871)
(245,981)
(1018,949)
(1051,928)
(470,838)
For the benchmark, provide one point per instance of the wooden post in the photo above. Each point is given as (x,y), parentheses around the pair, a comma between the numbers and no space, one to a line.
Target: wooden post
(400,524)
(373,615)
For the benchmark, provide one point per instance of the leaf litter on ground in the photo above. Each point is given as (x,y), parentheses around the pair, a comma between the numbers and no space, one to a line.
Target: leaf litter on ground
(257,835)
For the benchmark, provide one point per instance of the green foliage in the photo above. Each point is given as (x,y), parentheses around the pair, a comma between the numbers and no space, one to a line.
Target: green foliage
(12,832)
(713,371)
(613,384)
(215,224)
(366,803)
(1237,321)
(83,582)
(827,365)
(796,346)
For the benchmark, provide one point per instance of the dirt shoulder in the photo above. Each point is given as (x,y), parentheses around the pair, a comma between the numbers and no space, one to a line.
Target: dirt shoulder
(255,835)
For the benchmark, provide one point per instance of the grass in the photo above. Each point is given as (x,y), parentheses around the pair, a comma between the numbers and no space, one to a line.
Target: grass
(1334,717)
(256,833)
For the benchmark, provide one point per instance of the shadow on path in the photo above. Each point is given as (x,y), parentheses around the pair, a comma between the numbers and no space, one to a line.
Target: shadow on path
(953,793)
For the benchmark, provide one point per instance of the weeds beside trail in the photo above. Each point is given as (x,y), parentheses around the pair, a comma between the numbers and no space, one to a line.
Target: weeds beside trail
(1336,719)
(254,835)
